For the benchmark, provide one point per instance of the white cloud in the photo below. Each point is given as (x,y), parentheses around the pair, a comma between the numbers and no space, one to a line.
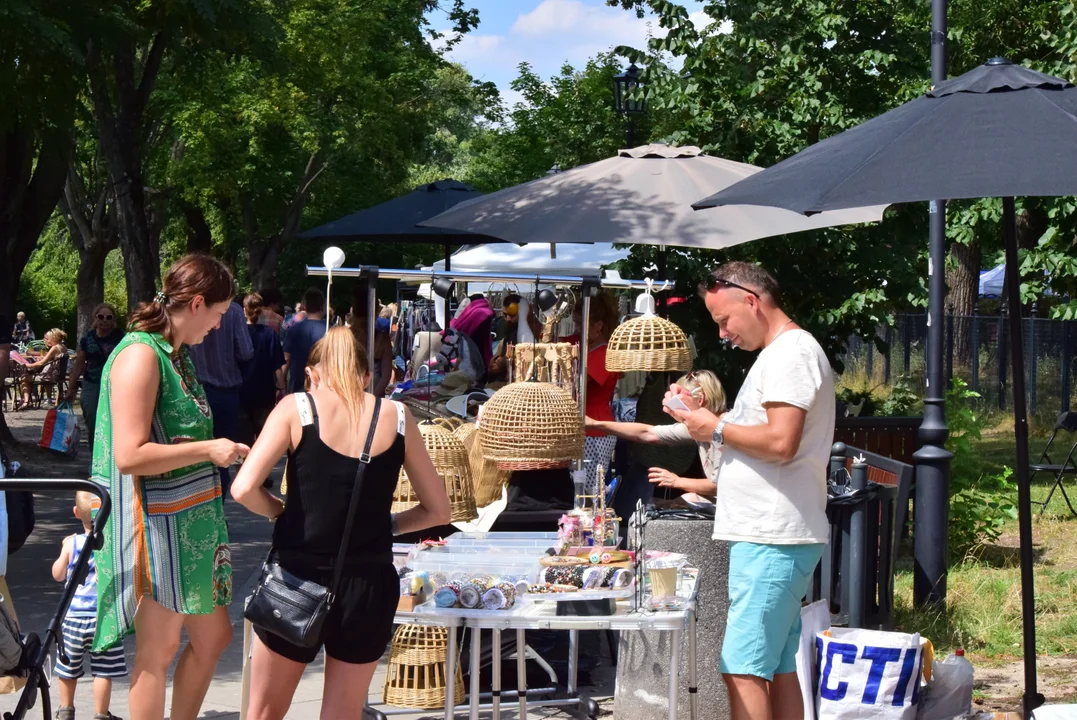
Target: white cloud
(581,24)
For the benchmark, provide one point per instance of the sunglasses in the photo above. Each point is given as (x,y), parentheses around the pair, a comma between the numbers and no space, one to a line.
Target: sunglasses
(712,282)
(105,317)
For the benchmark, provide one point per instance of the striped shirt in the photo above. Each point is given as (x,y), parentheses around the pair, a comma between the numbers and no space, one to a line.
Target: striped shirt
(84,602)
(217,358)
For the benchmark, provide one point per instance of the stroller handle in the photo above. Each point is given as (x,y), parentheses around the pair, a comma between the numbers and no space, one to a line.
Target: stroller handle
(50,486)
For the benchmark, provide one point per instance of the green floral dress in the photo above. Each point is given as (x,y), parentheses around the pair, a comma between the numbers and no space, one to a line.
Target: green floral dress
(166,537)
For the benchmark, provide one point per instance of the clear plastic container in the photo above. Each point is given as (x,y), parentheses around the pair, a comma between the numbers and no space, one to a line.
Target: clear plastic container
(949,694)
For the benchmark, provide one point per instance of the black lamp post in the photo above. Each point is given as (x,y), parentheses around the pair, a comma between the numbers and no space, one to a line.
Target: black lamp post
(626,100)
(933,459)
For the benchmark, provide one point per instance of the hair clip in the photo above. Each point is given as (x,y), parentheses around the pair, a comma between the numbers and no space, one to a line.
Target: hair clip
(160,297)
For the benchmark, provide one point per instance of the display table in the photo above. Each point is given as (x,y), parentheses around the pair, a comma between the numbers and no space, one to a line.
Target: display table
(543,616)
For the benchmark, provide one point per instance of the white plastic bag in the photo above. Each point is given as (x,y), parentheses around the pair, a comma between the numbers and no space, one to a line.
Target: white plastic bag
(867,674)
(949,694)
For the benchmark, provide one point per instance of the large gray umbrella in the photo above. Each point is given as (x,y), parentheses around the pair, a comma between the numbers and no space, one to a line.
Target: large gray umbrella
(998,130)
(643,195)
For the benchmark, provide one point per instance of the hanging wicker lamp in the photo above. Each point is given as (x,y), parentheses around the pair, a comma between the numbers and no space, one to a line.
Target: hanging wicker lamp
(487,479)
(648,343)
(531,426)
(451,461)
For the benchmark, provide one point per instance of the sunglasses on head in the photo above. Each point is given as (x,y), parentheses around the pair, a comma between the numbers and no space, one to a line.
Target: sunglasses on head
(712,282)
(104,317)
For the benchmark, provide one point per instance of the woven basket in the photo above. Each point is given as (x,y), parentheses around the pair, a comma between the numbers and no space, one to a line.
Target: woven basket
(531,426)
(650,344)
(415,677)
(451,462)
(486,477)
(556,363)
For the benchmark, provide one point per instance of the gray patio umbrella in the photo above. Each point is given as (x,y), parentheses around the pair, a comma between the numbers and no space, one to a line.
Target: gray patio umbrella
(642,195)
(395,220)
(999,130)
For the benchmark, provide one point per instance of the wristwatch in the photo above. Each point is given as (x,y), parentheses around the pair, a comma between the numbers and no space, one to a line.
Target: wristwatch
(716,436)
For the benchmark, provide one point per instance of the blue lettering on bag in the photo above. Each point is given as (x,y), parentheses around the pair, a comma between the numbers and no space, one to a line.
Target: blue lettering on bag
(848,655)
(879,657)
(907,668)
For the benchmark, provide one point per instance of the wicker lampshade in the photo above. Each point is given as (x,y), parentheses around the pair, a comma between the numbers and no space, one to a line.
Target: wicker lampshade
(451,462)
(648,343)
(487,479)
(531,426)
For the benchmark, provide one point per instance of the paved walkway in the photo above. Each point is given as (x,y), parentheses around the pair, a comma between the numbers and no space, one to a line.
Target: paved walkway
(36,594)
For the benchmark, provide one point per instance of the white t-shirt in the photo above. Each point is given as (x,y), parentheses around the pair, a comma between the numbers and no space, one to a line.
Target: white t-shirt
(772,503)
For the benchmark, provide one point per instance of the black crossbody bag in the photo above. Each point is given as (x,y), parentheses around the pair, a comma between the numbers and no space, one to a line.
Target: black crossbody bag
(296,609)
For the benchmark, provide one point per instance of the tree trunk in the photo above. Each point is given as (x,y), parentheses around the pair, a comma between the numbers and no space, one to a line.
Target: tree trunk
(120,130)
(199,238)
(33,165)
(262,254)
(91,224)
(963,283)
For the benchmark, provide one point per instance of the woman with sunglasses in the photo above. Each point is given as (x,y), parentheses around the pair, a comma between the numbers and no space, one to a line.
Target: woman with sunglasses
(706,389)
(94,350)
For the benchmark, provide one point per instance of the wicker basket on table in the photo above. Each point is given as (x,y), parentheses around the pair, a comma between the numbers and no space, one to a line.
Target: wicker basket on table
(451,461)
(531,426)
(416,674)
(648,343)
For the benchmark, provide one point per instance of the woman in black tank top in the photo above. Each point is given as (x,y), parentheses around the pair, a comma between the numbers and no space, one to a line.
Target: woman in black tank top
(323,432)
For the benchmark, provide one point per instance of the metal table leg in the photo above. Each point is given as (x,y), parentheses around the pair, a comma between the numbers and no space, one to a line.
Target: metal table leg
(495,683)
(450,673)
(521,672)
(674,670)
(473,696)
(693,668)
(573,660)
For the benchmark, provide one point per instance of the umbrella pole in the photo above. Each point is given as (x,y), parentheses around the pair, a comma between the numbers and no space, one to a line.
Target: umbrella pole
(448,257)
(1032,699)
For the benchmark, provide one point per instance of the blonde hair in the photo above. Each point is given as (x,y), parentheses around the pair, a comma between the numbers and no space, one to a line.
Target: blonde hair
(84,504)
(707,383)
(58,334)
(342,366)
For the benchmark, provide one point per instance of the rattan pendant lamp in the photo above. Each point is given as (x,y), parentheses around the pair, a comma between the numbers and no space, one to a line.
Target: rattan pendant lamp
(451,461)
(648,343)
(531,425)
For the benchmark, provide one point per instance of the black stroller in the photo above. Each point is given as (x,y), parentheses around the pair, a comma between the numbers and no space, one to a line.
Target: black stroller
(36,650)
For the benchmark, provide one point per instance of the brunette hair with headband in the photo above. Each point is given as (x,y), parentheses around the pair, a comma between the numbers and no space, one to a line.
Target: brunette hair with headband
(189,277)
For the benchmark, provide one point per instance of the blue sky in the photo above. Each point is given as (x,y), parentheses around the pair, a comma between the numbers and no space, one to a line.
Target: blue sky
(545,33)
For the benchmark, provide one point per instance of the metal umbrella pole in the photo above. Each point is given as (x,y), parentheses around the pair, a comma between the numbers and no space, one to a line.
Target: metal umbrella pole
(1031,699)
(933,459)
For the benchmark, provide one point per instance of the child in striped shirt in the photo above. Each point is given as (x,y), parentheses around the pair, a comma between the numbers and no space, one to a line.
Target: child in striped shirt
(80,624)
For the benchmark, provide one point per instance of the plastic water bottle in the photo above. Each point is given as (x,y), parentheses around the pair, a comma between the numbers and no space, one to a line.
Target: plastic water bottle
(965,673)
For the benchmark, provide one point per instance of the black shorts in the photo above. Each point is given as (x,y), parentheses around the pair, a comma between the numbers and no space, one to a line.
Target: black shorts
(360,623)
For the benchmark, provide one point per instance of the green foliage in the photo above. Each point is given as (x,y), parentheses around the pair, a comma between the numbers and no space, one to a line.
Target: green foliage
(903,401)
(47,293)
(980,503)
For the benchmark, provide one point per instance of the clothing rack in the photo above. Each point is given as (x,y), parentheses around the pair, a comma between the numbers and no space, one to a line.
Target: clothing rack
(372,273)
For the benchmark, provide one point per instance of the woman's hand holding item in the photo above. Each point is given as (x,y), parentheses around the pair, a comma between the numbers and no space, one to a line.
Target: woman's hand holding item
(223,452)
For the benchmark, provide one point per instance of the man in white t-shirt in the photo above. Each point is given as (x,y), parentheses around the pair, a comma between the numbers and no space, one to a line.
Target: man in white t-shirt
(771,504)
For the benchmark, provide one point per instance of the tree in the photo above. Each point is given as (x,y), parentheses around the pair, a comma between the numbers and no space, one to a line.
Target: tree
(124,65)
(338,110)
(89,210)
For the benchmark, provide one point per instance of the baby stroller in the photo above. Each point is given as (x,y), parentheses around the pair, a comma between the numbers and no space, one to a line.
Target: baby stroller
(27,655)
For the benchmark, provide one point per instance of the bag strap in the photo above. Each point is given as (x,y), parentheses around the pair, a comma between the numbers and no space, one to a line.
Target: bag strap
(364,460)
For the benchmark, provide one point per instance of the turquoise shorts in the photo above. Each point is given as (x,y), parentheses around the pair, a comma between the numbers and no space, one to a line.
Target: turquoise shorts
(767,584)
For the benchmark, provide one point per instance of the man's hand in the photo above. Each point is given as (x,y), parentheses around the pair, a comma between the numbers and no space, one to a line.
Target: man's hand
(700,422)
(662,477)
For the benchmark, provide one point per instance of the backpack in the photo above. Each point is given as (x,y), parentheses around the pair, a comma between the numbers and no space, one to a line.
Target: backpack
(20,506)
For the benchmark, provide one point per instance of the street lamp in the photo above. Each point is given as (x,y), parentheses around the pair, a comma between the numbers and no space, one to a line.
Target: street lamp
(627,99)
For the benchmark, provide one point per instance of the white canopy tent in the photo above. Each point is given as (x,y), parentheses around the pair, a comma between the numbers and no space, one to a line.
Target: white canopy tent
(571,259)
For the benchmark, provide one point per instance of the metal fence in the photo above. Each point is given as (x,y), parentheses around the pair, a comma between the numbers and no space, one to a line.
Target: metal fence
(977,350)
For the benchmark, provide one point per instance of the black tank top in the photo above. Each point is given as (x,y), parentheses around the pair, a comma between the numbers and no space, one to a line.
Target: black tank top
(320,483)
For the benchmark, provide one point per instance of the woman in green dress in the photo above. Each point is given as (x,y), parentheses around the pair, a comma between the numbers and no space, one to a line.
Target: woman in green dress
(165,564)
